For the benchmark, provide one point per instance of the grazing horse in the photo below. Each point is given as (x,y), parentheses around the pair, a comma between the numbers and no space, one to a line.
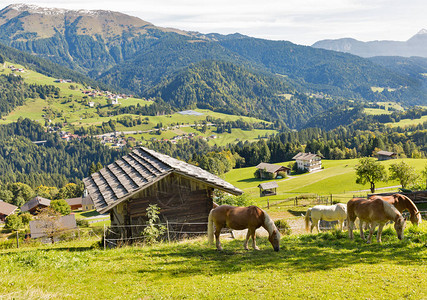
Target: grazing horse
(373,211)
(337,212)
(239,218)
(401,202)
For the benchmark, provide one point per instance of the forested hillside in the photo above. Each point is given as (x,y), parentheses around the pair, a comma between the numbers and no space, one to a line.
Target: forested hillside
(232,89)
(14,91)
(53,163)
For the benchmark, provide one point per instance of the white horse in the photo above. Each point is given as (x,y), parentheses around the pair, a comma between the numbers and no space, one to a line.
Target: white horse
(337,212)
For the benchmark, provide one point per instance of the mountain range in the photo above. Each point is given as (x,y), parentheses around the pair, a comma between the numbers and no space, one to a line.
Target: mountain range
(415,46)
(231,73)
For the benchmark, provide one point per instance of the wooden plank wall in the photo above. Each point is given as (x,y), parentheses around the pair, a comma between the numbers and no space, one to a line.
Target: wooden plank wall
(180,200)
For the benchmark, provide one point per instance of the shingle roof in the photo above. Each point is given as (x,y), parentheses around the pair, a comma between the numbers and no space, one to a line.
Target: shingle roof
(386,153)
(138,170)
(270,167)
(6,208)
(306,156)
(74,201)
(35,202)
(268,185)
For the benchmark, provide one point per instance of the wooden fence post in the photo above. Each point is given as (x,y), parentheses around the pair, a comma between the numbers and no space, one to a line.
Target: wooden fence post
(105,245)
(167,229)
(17,239)
(268,204)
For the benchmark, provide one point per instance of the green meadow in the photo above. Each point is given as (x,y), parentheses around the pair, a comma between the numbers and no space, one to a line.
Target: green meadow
(337,177)
(308,266)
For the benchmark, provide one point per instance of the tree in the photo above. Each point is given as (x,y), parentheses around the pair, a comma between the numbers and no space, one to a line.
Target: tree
(403,172)
(13,222)
(71,190)
(49,222)
(370,170)
(61,206)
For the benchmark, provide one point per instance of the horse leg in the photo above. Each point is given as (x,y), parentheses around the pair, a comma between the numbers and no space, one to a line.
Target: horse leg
(350,229)
(217,233)
(253,240)
(248,235)
(362,235)
(312,224)
(371,231)
(380,230)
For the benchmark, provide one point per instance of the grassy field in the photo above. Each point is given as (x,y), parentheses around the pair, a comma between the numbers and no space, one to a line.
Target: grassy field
(338,178)
(318,266)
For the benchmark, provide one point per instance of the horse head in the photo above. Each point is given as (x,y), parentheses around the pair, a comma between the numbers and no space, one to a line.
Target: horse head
(416,218)
(399,226)
(274,239)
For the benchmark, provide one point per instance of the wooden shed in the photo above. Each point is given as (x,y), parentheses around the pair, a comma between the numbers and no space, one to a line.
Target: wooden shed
(75,203)
(273,169)
(6,209)
(183,192)
(386,155)
(268,188)
(35,204)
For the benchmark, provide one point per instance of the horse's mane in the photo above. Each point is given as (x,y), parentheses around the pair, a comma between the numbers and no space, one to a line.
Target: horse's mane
(269,223)
(408,200)
(390,210)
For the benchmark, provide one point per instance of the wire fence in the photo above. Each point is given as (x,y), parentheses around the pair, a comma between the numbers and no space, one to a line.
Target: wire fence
(119,235)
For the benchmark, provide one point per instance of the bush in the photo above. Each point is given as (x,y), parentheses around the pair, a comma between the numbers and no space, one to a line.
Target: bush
(283,227)
(241,200)
(257,173)
(82,223)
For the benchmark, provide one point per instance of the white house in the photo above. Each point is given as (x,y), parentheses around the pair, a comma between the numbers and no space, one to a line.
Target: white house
(308,161)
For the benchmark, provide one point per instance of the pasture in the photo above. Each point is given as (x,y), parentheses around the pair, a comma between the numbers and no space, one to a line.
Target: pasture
(317,266)
(337,178)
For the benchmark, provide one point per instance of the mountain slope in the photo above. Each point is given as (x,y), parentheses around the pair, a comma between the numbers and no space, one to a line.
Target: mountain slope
(230,88)
(415,46)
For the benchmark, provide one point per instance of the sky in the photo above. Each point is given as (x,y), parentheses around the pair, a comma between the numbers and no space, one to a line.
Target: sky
(299,21)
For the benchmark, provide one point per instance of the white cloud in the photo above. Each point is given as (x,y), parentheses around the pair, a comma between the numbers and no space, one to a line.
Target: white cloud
(300,21)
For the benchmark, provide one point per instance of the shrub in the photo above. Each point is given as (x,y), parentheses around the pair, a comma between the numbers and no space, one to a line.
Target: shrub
(241,200)
(257,173)
(283,227)
(154,230)
(26,217)
(82,223)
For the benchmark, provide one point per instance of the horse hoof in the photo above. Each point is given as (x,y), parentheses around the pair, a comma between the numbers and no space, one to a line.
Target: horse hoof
(256,248)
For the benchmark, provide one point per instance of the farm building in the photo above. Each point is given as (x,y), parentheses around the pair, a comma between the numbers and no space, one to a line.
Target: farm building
(265,169)
(75,203)
(386,155)
(183,192)
(35,204)
(308,162)
(6,210)
(87,204)
(268,188)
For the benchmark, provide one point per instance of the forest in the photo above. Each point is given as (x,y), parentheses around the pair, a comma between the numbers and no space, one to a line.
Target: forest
(54,163)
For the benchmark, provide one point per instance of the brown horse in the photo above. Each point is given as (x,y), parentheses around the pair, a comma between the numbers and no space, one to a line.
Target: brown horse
(240,218)
(374,212)
(401,202)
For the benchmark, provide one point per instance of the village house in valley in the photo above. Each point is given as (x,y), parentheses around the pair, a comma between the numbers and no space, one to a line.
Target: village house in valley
(6,209)
(308,162)
(183,192)
(265,169)
(35,204)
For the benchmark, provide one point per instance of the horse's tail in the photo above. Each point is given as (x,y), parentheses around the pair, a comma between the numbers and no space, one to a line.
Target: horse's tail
(307,219)
(210,229)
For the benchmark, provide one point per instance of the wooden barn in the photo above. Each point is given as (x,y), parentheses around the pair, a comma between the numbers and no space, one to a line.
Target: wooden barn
(268,188)
(35,204)
(183,192)
(6,210)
